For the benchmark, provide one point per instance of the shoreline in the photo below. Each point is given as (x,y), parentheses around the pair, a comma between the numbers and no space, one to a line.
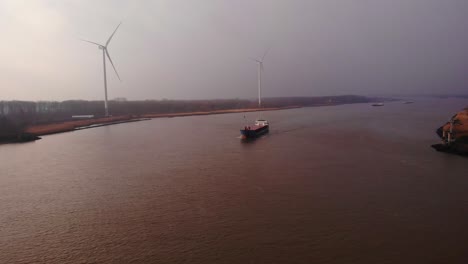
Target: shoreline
(218,112)
(69,126)
(35,131)
(23,120)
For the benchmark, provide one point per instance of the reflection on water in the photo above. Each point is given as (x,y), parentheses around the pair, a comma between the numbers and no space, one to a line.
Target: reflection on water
(344,184)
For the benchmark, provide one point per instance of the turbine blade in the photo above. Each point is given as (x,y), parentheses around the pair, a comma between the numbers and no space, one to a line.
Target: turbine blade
(91,42)
(107,43)
(261,66)
(264,55)
(108,56)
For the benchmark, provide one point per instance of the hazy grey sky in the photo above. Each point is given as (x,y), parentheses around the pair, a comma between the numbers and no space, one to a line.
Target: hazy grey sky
(199,49)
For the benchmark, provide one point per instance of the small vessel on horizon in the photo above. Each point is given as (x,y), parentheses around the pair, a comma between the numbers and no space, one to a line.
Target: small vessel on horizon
(378,104)
(260,127)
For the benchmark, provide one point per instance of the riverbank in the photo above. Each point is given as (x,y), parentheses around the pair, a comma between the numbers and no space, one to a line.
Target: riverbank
(67,126)
(217,112)
(49,117)
(454,135)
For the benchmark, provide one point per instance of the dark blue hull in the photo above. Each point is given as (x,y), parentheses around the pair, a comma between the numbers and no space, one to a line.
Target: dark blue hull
(253,133)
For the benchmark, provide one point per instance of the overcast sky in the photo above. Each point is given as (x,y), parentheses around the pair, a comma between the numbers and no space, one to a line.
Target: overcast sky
(200,49)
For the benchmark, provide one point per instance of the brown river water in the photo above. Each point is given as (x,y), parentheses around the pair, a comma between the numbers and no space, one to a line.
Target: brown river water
(340,184)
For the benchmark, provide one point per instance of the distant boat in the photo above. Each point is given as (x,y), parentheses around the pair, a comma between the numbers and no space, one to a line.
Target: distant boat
(408,102)
(378,104)
(261,127)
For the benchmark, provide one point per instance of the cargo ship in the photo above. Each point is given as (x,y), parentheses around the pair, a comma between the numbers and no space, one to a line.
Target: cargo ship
(261,127)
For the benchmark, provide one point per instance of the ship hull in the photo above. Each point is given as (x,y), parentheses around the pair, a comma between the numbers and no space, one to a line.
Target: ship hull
(254,133)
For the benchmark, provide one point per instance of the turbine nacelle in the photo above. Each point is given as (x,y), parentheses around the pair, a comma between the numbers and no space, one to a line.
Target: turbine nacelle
(105,50)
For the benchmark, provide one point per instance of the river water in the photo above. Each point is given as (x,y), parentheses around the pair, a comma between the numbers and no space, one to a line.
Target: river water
(340,184)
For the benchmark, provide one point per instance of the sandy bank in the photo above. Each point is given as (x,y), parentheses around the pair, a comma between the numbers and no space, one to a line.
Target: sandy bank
(53,128)
(67,126)
(217,112)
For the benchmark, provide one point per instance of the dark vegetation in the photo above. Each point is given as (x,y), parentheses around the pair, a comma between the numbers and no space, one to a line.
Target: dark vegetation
(12,131)
(15,116)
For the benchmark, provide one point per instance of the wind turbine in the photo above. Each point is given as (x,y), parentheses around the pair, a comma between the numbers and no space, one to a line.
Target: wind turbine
(105,53)
(259,70)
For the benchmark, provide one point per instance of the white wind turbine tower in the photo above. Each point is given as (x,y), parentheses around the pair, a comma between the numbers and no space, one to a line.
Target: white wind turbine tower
(105,53)
(260,69)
